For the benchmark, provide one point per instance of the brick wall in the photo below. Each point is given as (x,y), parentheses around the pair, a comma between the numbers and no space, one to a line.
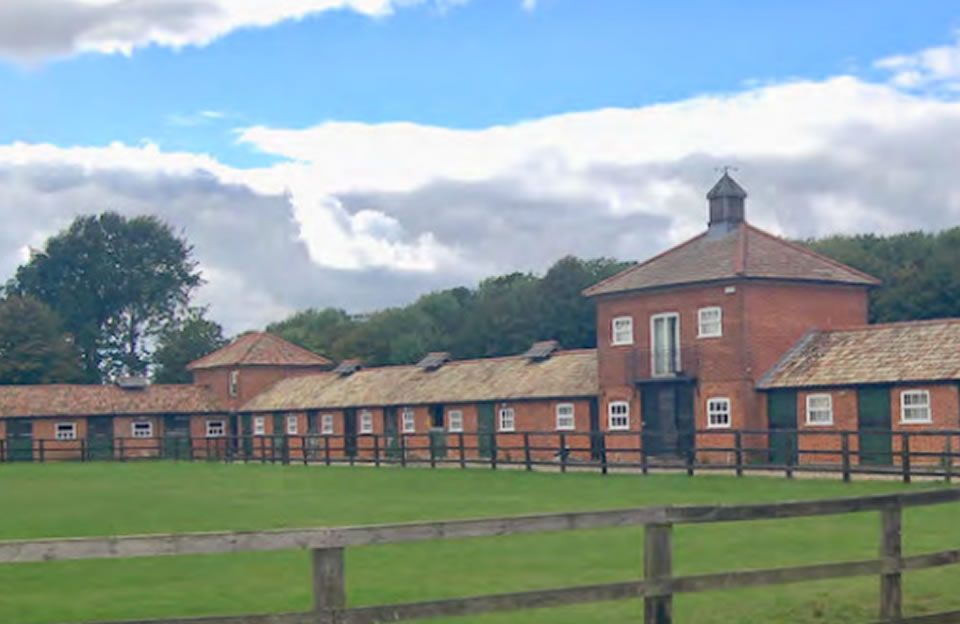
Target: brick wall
(252,380)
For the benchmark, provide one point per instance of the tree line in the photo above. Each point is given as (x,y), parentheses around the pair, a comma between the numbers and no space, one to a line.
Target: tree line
(112,296)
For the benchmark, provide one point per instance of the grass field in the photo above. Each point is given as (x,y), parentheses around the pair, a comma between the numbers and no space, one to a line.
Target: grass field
(57,500)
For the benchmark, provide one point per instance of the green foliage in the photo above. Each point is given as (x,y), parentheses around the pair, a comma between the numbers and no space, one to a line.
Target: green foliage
(33,346)
(920,271)
(503,315)
(115,283)
(182,342)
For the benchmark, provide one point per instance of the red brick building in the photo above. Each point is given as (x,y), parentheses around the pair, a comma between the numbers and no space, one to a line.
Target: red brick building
(683,338)
(735,330)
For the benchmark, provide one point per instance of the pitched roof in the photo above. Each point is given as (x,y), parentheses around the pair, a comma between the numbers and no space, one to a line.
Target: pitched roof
(93,400)
(259,349)
(564,374)
(890,353)
(741,251)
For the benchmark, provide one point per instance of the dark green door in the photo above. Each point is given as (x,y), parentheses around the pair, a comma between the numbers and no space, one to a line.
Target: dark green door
(176,437)
(438,435)
(350,432)
(667,418)
(280,441)
(486,430)
(391,440)
(782,415)
(100,437)
(246,433)
(873,424)
(19,440)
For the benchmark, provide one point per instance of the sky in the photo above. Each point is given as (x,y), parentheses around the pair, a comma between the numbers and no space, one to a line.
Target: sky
(360,153)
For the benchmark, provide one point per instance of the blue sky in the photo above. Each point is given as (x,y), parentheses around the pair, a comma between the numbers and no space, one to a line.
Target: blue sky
(480,64)
(358,153)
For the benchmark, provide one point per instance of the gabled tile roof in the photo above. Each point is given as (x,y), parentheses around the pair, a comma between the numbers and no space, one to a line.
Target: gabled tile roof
(564,374)
(93,400)
(259,349)
(891,353)
(741,251)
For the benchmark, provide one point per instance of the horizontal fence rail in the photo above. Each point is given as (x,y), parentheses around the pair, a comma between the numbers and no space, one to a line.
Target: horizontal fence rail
(657,586)
(899,454)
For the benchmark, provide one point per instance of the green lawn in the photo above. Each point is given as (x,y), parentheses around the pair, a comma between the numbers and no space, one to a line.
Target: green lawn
(55,500)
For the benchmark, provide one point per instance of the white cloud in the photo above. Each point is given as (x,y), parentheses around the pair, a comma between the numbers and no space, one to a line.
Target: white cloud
(31,30)
(529,5)
(933,67)
(367,215)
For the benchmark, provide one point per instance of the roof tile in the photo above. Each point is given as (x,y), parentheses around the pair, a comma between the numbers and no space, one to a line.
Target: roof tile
(95,400)
(259,349)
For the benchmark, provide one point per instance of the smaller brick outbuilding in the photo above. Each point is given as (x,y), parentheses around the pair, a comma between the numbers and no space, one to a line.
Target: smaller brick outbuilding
(880,381)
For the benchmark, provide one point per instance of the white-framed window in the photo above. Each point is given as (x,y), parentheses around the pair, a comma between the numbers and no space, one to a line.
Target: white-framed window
(710,322)
(819,409)
(621,331)
(619,415)
(366,421)
(66,431)
(291,424)
(142,429)
(259,425)
(234,383)
(915,406)
(565,419)
(455,421)
(718,413)
(216,428)
(408,421)
(326,424)
(508,419)
(665,344)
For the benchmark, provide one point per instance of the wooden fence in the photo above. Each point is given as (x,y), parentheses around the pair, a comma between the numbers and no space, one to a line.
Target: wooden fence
(902,454)
(657,587)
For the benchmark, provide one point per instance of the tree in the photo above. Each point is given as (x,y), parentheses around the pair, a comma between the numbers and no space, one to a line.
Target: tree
(183,342)
(115,283)
(33,346)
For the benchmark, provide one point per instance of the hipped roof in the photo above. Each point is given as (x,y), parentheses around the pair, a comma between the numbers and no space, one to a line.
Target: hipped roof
(742,251)
(564,374)
(259,349)
(873,354)
(96,400)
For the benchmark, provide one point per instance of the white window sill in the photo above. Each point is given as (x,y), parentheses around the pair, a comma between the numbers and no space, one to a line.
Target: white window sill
(699,336)
(917,422)
(709,426)
(819,424)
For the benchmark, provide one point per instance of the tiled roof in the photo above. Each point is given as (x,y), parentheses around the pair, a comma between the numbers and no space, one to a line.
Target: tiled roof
(564,374)
(93,400)
(892,353)
(260,349)
(741,251)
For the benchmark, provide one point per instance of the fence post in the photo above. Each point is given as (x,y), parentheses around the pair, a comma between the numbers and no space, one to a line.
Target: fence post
(493,451)
(890,553)
(376,450)
(738,446)
(326,449)
(563,452)
(644,468)
(526,451)
(905,457)
(603,453)
(303,450)
(657,565)
(691,459)
(948,453)
(431,442)
(3,451)
(42,455)
(845,445)
(789,462)
(329,586)
(463,459)
(403,451)
(121,451)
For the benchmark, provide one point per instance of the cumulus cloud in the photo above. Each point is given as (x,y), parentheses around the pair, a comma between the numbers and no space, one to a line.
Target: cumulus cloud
(31,30)
(933,67)
(364,216)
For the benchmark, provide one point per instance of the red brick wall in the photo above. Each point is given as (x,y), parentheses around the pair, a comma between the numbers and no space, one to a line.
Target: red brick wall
(46,429)
(252,380)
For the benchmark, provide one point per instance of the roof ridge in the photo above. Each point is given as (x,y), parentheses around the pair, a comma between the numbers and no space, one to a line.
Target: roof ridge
(636,267)
(892,324)
(296,347)
(814,254)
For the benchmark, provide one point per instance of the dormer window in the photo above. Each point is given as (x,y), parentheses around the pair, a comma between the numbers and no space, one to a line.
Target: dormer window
(622,331)
(709,322)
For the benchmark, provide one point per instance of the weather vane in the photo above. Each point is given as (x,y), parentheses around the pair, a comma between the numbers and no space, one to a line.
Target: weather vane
(725,169)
